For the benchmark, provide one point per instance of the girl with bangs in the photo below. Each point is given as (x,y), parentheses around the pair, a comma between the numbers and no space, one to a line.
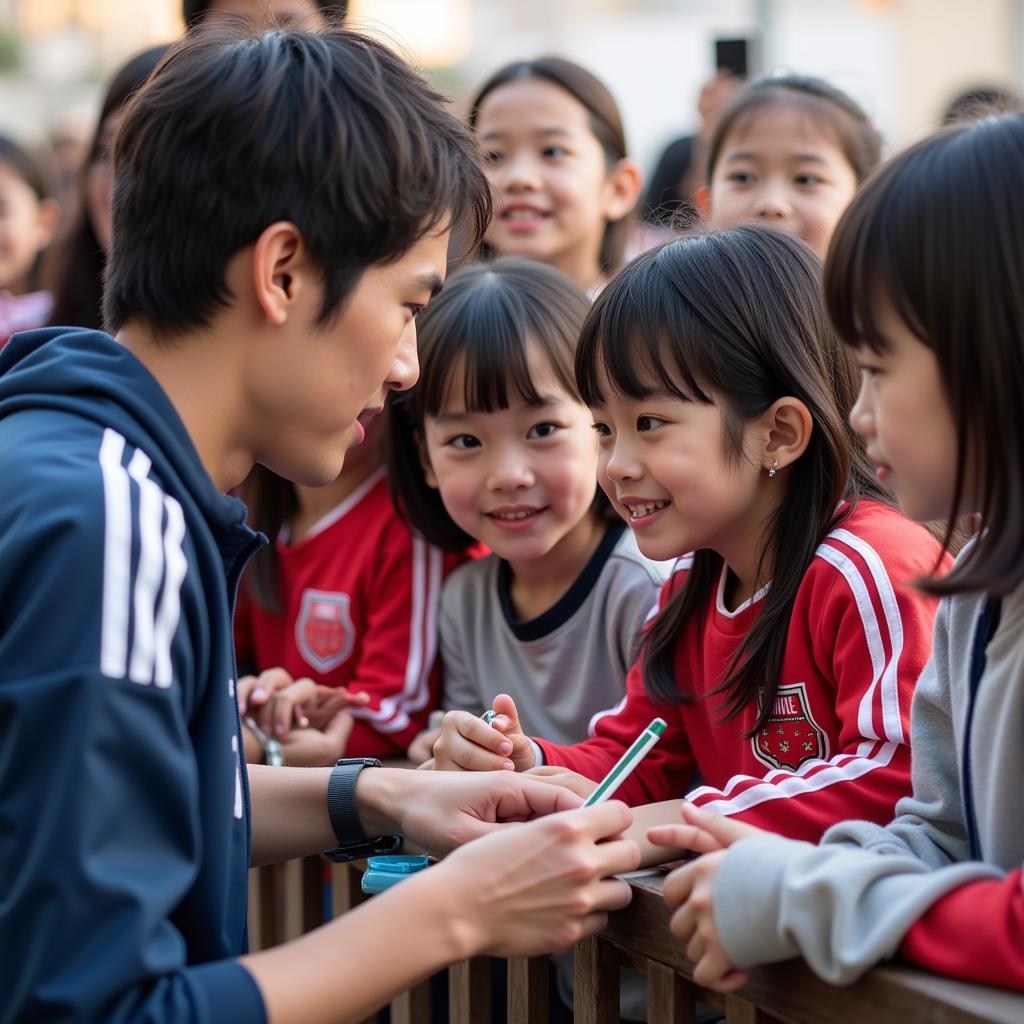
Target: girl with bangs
(924,282)
(788,639)
(495,446)
(790,152)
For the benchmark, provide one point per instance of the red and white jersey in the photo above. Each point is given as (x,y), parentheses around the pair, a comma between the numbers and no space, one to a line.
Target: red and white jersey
(836,745)
(360,595)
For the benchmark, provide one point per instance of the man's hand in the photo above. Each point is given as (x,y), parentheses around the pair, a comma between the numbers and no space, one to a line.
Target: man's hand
(543,886)
(468,743)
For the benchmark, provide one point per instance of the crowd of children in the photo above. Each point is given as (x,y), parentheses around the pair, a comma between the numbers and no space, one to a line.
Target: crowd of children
(588,484)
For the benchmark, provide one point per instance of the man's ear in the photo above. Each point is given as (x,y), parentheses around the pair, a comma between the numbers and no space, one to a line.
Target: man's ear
(702,198)
(787,427)
(280,271)
(625,180)
(428,470)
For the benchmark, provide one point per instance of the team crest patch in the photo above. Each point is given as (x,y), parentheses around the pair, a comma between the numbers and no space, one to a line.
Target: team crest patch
(791,736)
(324,632)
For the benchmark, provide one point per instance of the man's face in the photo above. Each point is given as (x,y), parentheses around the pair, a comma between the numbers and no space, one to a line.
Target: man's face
(317,388)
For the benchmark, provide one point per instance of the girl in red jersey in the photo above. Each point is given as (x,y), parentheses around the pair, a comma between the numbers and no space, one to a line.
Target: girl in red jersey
(788,639)
(923,281)
(336,626)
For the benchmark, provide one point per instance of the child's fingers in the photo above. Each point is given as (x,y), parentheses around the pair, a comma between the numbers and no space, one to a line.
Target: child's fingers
(508,716)
(725,830)
(683,837)
(468,743)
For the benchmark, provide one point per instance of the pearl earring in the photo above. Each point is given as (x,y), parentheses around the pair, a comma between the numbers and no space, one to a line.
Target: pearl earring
(774,468)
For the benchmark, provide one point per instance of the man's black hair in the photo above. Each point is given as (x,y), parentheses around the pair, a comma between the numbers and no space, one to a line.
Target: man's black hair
(193,11)
(332,132)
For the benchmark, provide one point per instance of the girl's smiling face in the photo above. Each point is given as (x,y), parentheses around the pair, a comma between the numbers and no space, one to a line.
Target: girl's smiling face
(663,463)
(551,177)
(518,479)
(780,167)
(27,224)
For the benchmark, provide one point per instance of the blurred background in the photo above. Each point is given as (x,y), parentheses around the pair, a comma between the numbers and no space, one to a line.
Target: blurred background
(902,59)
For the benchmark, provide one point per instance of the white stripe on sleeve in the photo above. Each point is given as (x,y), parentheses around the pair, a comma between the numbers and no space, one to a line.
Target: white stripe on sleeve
(872,633)
(889,684)
(170,602)
(150,568)
(117,556)
(842,768)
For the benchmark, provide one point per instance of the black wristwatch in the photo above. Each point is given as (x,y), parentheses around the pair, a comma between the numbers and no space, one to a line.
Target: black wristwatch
(354,844)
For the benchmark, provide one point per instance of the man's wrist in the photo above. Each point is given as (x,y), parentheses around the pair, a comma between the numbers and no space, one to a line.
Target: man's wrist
(377,801)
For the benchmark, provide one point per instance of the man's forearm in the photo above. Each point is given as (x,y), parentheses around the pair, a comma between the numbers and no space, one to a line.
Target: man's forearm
(289,809)
(354,965)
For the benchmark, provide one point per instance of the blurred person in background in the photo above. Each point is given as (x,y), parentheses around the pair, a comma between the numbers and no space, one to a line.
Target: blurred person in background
(28,219)
(555,154)
(981,101)
(76,260)
(669,200)
(309,14)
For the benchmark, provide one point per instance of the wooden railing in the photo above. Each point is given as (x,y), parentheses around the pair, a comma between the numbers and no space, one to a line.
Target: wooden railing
(289,899)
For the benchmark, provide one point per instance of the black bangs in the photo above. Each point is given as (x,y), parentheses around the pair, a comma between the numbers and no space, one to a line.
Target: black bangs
(479,334)
(481,329)
(624,344)
(938,234)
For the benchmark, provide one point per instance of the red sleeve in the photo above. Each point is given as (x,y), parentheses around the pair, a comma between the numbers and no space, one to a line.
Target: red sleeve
(872,637)
(991,912)
(668,768)
(398,661)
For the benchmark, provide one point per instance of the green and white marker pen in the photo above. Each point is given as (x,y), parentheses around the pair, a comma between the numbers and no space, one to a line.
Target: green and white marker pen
(624,767)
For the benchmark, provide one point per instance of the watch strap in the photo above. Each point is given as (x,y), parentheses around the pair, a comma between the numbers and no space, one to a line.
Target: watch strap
(353,842)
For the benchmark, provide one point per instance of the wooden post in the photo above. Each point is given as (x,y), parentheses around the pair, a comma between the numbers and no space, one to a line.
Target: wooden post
(596,999)
(412,1007)
(528,982)
(671,999)
(469,992)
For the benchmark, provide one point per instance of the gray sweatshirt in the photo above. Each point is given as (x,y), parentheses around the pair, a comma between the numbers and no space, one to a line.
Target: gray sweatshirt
(848,903)
(563,667)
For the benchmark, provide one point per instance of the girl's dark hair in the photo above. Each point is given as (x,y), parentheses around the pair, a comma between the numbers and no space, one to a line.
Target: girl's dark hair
(76,259)
(482,324)
(842,116)
(737,315)
(37,174)
(605,123)
(939,234)
(272,502)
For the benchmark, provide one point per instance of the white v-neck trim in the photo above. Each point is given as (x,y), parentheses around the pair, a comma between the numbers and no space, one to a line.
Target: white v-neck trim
(720,597)
(341,510)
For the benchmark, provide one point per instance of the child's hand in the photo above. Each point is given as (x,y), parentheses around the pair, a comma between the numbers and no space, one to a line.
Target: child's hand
(422,748)
(468,743)
(555,776)
(280,703)
(316,748)
(703,832)
(690,889)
